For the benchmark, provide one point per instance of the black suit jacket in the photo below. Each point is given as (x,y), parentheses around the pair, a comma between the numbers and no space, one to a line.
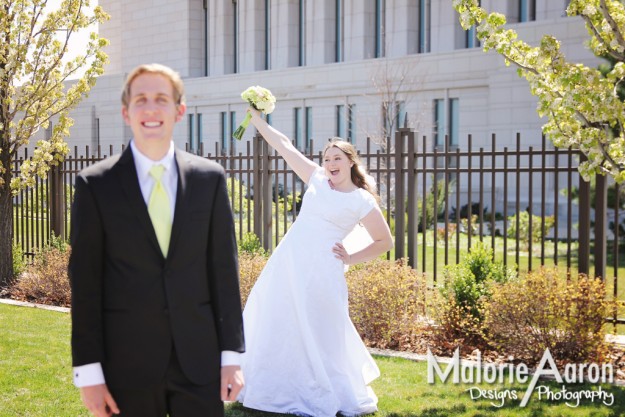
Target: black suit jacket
(130,305)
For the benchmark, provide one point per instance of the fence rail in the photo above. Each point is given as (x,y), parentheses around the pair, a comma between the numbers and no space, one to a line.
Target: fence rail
(529,203)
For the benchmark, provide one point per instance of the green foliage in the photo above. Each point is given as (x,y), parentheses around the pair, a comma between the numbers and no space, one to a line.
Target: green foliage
(18,260)
(466,286)
(45,281)
(524,228)
(436,194)
(582,104)
(544,310)
(36,73)
(467,282)
(237,192)
(250,243)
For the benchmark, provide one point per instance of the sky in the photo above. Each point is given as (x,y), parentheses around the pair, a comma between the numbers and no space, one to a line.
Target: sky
(78,40)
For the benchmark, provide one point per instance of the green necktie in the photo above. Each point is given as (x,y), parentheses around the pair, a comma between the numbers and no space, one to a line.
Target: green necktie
(159,209)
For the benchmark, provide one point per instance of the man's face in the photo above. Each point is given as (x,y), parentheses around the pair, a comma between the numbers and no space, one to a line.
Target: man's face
(152,111)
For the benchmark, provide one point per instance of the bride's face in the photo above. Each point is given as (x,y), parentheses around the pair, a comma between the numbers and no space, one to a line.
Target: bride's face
(337,165)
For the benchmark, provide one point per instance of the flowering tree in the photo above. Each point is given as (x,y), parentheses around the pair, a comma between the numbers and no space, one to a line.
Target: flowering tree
(582,105)
(34,68)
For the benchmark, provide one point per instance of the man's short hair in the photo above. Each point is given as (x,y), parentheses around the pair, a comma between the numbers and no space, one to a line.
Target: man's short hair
(170,74)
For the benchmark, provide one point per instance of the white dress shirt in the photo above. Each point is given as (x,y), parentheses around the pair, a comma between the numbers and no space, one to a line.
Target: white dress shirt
(92,374)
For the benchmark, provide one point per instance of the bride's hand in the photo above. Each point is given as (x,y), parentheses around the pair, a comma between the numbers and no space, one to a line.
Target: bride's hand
(341,253)
(253,112)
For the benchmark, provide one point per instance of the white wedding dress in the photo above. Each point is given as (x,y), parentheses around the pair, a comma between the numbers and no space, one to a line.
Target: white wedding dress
(303,355)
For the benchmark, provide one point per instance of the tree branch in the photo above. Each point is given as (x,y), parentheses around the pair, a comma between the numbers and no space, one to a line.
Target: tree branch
(608,17)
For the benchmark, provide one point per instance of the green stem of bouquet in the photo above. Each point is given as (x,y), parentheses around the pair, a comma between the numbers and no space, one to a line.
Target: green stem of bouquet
(238,134)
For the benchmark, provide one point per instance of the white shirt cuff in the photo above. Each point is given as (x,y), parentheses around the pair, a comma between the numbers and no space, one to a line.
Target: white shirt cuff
(88,375)
(230,357)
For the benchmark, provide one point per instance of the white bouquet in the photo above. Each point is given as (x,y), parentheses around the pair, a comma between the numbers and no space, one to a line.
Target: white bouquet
(261,99)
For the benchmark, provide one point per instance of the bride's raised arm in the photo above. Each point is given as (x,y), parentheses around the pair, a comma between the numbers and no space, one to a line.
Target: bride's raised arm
(302,166)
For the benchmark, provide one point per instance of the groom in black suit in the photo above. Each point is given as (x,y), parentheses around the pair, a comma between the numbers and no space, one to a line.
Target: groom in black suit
(156,310)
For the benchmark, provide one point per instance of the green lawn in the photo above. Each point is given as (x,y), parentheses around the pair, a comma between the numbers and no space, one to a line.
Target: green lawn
(35,380)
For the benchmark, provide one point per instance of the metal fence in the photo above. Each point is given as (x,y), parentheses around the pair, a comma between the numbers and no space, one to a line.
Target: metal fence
(529,204)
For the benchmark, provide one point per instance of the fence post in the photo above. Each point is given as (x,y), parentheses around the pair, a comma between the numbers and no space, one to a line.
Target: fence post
(400,208)
(584,227)
(257,143)
(57,202)
(601,206)
(262,192)
(412,199)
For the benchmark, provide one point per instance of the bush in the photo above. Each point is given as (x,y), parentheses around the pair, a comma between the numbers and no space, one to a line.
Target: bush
(45,281)
(467,282)
(524,228)
(18,261)
(250,243)
(387,303)
(566,316)
(250,266)
(466,286)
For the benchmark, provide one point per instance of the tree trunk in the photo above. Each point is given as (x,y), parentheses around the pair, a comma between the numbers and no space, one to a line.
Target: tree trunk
(6,222)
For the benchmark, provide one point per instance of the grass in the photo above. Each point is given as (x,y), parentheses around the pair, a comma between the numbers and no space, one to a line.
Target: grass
(35,380)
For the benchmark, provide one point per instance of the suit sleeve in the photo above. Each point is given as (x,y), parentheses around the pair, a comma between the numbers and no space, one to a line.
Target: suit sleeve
(85,272)
(224,272)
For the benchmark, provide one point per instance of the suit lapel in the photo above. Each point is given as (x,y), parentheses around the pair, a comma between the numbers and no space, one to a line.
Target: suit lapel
(130,185)
(182,195)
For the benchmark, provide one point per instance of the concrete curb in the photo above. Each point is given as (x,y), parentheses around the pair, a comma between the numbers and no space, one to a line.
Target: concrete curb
(33,305)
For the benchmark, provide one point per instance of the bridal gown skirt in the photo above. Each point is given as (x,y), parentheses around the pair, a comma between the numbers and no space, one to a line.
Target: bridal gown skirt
(303,354)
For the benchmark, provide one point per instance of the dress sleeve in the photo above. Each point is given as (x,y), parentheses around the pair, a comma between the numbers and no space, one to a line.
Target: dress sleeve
(318,176)
(367,204)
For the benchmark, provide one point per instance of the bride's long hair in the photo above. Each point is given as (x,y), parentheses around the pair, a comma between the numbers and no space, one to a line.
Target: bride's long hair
(359,175)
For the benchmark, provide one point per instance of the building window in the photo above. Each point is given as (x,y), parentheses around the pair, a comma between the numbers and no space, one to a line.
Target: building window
(233,127)
(269,118)
(297,127)
(379,28)
(454,121)
(400,114)
(267,35)
(446,123)
(351,122)
(235,37)
(302,33)
(341,128)
(198,133)
(424,26)
(527,10)
(228,126)
(471,40)
(439,122)
(394,115)
(191,132)
(309,126)
(225,137)
(338,29)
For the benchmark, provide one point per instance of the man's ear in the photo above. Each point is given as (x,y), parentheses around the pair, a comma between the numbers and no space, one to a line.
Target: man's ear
(182,108)
(125,115)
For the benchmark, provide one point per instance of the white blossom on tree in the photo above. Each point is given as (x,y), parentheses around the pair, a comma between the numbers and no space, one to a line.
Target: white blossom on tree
(582,106)
(35,88)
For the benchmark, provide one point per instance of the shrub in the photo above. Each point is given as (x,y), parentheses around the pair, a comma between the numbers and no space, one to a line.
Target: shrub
(524,228)
(523,318)
(18,261)
(250,243)
(250,266)
(466,286)
(387,303)
(45,281)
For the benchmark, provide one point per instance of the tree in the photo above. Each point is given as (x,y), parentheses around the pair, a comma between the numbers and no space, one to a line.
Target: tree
(35,89)
(582,105)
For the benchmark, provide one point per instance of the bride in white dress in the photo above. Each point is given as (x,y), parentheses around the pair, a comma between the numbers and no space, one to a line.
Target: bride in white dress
(303,354)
